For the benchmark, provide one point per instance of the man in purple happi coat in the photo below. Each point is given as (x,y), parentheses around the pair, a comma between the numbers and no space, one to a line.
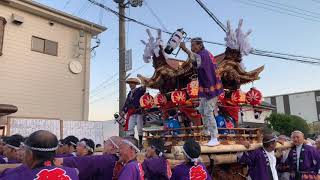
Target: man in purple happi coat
(97,167)
(303,160)
(156,167)
(132,170)
(69,145)
(192,169)
(210,85)
(40,149)
(262,161)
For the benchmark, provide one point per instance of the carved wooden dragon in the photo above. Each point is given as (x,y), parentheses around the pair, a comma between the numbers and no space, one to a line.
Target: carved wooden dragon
(171,74)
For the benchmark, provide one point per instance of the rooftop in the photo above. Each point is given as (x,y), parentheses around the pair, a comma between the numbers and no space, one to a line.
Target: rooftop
(52,14)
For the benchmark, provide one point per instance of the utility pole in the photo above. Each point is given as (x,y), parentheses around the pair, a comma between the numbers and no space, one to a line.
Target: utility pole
(122,52)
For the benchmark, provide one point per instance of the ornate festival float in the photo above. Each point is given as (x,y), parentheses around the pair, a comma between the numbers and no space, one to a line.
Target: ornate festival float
(178,88)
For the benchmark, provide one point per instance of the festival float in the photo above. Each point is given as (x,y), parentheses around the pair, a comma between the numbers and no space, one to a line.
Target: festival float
(176,81)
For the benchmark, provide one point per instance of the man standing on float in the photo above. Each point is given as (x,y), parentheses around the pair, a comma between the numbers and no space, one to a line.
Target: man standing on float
(132,108)
(210,86)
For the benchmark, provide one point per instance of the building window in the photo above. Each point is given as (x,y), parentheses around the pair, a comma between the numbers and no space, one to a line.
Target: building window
(318,98)
(44,46)
(3,22)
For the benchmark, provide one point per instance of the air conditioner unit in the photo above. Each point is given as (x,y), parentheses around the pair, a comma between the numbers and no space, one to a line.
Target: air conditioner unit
(16,19)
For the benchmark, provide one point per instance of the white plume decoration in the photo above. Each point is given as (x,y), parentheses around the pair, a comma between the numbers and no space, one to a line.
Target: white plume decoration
(237,39)
(152,47)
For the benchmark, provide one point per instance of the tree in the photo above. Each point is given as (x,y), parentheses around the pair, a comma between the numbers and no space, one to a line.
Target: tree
(286,124)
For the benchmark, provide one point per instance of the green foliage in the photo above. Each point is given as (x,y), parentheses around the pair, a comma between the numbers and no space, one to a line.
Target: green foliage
(286,124)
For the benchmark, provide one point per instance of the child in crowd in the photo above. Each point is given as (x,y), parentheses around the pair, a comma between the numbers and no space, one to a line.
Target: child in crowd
(172,122)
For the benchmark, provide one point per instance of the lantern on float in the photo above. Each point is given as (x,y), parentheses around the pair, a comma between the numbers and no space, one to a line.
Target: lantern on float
(193,88)
(238,97)
(178,97)
(146,101)
(254,97)
(160,100)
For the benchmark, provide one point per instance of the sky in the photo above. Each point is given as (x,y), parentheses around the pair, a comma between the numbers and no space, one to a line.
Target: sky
(272,31)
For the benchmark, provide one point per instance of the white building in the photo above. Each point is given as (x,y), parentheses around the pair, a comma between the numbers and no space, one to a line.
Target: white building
(45,61)
(304,104)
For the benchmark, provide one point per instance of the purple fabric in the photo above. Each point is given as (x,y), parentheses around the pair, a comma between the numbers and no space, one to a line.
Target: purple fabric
(256,161)
(155,168)
(131,171)
(18,169)
(97,167)
(28,174)
(183,171)
(65,155)
(3,159)
(309,160)
(13,161)
(133,99)
(210,85)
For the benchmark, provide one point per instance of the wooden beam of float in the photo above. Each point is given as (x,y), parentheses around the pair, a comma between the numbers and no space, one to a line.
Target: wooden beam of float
(177,150)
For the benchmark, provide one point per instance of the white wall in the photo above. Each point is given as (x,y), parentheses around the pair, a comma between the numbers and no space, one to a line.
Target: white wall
(41,85)
(304,105)
(248,115)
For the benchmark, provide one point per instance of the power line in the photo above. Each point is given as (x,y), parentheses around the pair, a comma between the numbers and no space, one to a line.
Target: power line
(105,84)
(276,10)
(212,15)
(290,6)
(284,9)
(265,53)
(262,53)
(155,15)
(66,4)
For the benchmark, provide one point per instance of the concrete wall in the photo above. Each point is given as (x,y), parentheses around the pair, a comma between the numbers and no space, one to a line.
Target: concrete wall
(304,105)
(280,105)
(301,104)
(42,85)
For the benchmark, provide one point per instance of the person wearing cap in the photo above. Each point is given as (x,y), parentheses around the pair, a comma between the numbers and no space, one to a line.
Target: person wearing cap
(85,147)
(303,160)
(156,167)
(69,146)
(40,149)
(262,161)
(97,167)
(132,108)
(210,86)
(132,170)
(12,148)
(191,168)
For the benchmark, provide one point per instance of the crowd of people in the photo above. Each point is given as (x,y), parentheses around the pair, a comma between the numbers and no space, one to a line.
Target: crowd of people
(299,162)
(42,156)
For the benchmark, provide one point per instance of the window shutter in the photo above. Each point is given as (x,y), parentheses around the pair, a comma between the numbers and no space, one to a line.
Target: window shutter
(2,25)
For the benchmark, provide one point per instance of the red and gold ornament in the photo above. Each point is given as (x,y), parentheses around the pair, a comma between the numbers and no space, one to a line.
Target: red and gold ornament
(193,88)
(146,101)
(178,97)
(160,100)
(254,97)
(238,97)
